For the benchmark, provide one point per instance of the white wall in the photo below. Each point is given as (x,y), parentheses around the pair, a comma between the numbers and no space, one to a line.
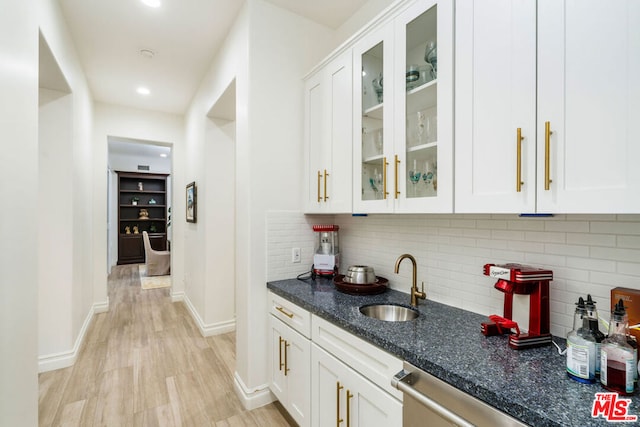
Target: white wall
(70,319)
(218,216)
(55,231)
(18,230)
(131,123)
(267,53)
(211,147)
(129,163)
(359,19)
(587,253)
(274,162)
(208,294)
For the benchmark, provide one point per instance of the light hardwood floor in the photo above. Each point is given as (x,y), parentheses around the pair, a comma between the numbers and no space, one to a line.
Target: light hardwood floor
(144,363)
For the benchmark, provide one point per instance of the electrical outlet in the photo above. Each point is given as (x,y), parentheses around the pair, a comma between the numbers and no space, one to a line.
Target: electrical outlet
(295,255)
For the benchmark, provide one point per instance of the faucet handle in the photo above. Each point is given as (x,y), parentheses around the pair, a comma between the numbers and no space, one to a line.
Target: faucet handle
(421,294)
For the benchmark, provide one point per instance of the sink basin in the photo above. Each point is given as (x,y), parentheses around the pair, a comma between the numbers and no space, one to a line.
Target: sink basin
(389,312)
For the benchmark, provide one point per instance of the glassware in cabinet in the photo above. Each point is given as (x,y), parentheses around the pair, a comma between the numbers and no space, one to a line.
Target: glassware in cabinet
(372,119)
(403,112)
(423,106)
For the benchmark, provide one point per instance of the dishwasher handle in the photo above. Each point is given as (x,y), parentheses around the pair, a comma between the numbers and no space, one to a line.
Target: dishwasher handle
(402,380)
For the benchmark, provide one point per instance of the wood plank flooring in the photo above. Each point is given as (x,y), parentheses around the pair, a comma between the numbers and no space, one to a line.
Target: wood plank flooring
(144,363)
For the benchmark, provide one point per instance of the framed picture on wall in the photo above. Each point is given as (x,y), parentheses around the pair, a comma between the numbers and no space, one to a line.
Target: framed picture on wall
(192,202)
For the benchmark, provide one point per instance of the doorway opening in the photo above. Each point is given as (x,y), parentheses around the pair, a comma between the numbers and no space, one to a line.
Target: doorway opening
(219,197)
(139,199)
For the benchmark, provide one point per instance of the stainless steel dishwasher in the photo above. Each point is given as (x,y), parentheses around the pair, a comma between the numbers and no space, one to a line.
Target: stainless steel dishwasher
(429,401)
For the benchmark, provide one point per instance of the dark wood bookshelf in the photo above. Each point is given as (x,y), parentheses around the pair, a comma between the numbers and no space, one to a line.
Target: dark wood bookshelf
(154,186)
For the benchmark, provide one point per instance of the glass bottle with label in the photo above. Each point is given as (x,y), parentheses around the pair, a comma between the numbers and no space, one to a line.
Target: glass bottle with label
(616,357)
(592,314)
(581,347)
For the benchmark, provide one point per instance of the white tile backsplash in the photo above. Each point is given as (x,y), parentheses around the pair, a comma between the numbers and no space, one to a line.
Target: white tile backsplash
(588,253)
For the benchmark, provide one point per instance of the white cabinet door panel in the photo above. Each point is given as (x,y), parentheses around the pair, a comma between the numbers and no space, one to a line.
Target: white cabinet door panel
(495,95)
(589,92)
(340,393)
(314,136)
(339,184)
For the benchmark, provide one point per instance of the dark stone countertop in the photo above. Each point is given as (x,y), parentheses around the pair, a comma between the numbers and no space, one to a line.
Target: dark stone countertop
(530,385)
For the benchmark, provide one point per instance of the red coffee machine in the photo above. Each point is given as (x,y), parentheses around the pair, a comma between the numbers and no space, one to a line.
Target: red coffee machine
(526,305)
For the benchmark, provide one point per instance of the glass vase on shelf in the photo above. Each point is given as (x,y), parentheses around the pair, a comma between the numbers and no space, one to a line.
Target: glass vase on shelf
(431,57)
(421,131)
(414,177)
(377,87)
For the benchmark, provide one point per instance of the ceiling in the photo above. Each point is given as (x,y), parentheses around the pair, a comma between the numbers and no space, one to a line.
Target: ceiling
(183,35)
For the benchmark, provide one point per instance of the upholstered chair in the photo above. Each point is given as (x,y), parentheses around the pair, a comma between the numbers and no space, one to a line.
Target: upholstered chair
(158,262)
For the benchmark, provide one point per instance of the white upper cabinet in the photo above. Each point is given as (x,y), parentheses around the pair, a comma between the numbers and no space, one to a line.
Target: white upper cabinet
(328,132)
(402,114)
(589,93)
(372,119)
(495,102)
(551,135)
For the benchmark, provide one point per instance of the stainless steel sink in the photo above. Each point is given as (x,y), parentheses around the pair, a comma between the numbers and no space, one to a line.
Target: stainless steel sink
(389,312)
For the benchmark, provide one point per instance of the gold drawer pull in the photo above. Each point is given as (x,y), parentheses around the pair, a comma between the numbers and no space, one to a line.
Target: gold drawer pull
(325,185)
(349,396)
(282,310)
(385,193)
(286,367)
(338,419)
(396,173)
(519,139)
(547,155)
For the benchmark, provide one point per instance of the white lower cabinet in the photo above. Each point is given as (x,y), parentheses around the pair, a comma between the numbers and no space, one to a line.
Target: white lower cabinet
(325,376)
(290,357)
(340,396)
(289,376)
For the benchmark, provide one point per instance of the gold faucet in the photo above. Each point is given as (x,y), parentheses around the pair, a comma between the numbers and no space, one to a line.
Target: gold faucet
(415,293)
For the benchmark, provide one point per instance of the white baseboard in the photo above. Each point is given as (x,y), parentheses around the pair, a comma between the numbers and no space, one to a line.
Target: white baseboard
(177,296)
(210,329)
(101,307)
(65,359)
(252,398)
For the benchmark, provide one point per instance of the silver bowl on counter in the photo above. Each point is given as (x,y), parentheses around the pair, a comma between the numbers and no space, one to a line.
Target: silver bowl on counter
(360,275)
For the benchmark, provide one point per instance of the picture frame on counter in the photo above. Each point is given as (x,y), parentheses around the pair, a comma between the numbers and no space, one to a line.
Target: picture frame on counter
(192,202)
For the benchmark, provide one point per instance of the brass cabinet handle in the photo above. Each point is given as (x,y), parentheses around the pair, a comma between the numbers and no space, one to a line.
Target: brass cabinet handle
(519,139)
(396,173)
(325,185)
(319,178)
(547,149)
(281,365)
(286,367)
(349,396)
(385,193)
(282,310)
(338,419)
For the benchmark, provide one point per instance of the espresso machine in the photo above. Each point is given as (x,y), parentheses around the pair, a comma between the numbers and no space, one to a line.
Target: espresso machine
(526,305)
(326,258)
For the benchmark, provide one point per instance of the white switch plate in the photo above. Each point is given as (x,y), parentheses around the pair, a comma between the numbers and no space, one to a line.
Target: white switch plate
(295,255)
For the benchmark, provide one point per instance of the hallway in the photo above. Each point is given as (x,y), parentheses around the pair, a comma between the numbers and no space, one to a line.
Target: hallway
(144,363)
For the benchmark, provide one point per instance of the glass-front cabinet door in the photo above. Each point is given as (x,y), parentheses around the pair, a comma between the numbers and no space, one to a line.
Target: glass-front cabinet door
(404,113)
(373,124)
(424,106)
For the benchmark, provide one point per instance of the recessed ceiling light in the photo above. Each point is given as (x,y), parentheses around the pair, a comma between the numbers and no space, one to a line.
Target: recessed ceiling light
(163,155)
(143,90)
(151,3)
(147,53)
